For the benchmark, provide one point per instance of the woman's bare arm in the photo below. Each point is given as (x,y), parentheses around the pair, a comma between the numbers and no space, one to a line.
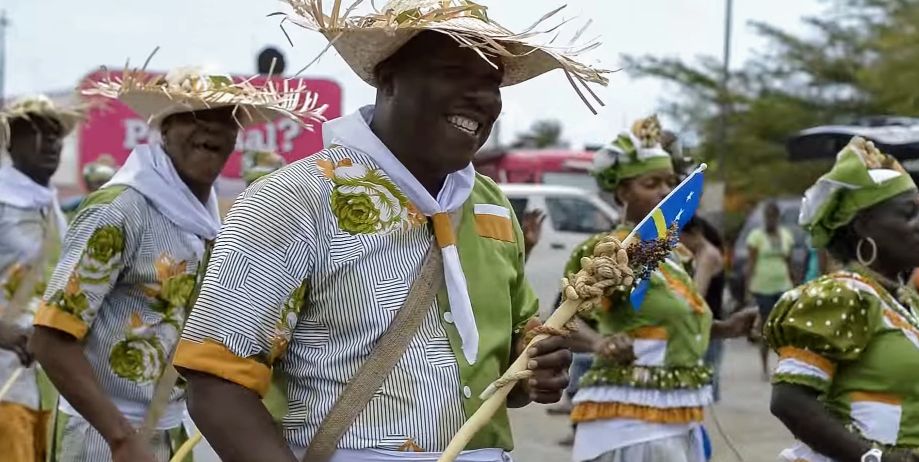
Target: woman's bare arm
(808,420)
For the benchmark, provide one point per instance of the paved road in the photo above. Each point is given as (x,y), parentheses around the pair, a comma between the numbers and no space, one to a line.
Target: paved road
(743,413)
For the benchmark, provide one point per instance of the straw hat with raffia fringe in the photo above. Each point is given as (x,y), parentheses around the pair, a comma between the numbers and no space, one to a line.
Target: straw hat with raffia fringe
(37,106)
(365,41)
(188,89)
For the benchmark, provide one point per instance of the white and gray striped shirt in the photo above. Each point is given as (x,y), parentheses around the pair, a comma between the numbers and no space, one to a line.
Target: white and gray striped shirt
(282,236)
(21,234)
(122,286)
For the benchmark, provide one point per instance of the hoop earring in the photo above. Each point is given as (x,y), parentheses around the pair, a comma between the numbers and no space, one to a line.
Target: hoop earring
(874,251)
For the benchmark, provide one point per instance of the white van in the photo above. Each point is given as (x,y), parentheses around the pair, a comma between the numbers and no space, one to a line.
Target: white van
(572,216)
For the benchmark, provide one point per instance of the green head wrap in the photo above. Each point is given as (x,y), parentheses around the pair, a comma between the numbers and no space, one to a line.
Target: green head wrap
(99,171)
(257,164)
(862,177)
(632,154)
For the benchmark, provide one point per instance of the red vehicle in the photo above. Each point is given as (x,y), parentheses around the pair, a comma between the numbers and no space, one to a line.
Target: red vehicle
(540,166)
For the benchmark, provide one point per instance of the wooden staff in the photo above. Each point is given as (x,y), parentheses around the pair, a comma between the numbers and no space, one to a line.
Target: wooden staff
(186,447)
(170,376)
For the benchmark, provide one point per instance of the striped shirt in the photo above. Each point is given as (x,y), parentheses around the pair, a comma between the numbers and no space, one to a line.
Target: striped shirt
(21,234)
(312,265)
(121,287)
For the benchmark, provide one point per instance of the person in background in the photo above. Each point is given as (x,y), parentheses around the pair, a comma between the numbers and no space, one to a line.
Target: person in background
(256,164)
(817,262)
(31,229)
(643,399)
(848,342)
(116,303)
(768,271)
(95,174)
(531,225)
(682,164)
(705,243)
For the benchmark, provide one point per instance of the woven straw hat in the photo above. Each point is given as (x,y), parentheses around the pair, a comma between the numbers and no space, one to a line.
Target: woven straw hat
(366,41)
(37,106)
(188,89)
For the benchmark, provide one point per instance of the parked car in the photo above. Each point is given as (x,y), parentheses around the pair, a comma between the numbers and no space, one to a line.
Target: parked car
(572,216)
(538,166)
(897,136)
(789,209)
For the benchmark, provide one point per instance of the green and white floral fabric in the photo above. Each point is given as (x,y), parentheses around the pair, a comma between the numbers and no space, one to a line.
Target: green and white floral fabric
(857,344)
(310,268)
(123,288)
(256,164)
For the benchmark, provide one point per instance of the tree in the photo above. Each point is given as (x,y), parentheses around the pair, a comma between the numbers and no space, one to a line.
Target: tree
(863,61)
(543,134)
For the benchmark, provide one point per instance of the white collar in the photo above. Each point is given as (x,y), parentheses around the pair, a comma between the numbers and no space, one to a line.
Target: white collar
(18,190)
(149,171)
(353,131)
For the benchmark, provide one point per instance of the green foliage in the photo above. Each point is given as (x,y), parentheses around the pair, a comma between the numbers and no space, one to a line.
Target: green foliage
(543,134)
(860,58)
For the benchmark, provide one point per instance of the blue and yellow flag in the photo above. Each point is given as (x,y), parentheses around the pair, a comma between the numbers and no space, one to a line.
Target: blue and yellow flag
(676,209)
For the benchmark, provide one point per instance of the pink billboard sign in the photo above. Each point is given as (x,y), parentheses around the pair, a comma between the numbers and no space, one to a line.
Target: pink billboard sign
(115,129)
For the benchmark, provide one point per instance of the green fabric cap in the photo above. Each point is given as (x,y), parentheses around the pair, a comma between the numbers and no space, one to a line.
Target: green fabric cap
(257,164)
(101,170)
(862,177)
(632,154)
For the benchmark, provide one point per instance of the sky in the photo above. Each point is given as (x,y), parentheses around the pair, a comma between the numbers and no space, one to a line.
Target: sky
(51,44)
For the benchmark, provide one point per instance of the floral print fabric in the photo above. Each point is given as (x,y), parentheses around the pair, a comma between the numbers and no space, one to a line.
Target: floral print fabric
(365,201)
(124,286)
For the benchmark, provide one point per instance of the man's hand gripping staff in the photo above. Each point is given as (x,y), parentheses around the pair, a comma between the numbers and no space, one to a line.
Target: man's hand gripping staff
(602,274)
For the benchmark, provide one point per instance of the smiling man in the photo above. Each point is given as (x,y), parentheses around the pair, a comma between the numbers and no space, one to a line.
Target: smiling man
(116,303)
(316,261)
(31,227)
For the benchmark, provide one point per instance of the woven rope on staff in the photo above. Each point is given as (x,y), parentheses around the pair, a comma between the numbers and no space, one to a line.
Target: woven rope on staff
(601,274)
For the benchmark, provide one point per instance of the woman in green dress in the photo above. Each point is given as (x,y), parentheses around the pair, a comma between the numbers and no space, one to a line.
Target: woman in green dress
(848,343)
(643,398)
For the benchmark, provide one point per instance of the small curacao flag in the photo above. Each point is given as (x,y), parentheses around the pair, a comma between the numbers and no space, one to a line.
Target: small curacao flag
(675,210)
